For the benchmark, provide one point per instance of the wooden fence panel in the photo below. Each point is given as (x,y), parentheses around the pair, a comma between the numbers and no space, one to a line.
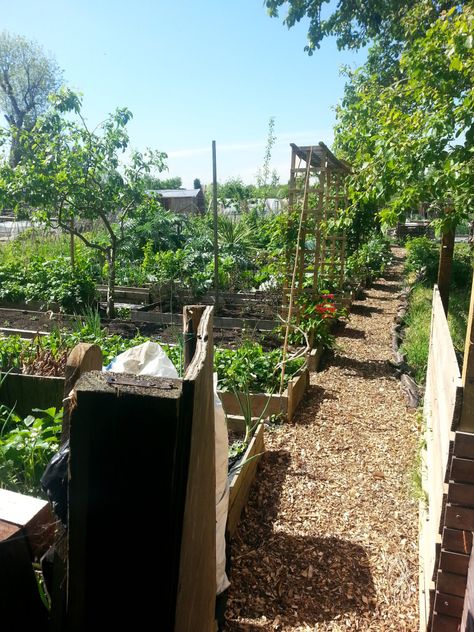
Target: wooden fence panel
(442,413)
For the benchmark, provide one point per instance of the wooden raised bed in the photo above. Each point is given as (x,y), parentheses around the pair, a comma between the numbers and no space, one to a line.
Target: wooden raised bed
(147,315)
(241,481)
(125,293)
(25,392)
(270,404)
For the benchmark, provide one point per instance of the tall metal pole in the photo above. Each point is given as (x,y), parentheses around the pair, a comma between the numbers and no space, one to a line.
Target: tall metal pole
(214,208)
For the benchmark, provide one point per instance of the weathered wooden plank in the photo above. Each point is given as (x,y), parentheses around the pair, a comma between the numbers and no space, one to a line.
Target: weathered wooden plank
(25,392)
(84,357)
(442,623)
(239,487)
(266,404)
(468,610)
(314,358)
(451,584)
(296,390)
(459,518)
(450,605)
(454,562)
(33,515)
(464,445)
(107,480)
(467,413)
(271,404)
(21,605)
(457,540)
(462,470)
(27,334)
(461,494)
(196,597)
(220,322)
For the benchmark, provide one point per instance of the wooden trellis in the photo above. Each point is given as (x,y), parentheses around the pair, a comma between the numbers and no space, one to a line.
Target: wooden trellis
(317,197)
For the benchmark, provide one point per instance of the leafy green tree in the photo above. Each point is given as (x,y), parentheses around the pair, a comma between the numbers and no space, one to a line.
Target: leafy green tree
(155,184)
(197,184)
(27,77)
(408,129)
(71,174)
(355,24)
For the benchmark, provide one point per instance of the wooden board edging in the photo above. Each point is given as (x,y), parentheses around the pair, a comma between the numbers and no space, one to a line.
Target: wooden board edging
(268,404)
(241,482)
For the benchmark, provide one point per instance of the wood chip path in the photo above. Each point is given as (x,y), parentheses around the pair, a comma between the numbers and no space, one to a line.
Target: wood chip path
(329,537)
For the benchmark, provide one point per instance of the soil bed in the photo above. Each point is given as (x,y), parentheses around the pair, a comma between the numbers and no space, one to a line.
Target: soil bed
(329,537)
(48,321)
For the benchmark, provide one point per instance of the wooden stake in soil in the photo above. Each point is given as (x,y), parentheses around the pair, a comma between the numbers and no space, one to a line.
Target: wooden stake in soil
(295,267)
(445,265)
(214,210)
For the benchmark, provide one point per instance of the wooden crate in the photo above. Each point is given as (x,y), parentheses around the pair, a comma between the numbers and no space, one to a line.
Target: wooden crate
(241,482)
(268,404)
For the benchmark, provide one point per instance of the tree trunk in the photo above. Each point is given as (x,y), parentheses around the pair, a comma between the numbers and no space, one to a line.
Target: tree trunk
(111,254)
(445,265)
(15,148)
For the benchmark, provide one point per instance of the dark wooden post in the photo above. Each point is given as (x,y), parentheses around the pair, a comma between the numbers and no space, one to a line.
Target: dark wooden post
(467,412)
(445,265)
(141,447)
(26,531)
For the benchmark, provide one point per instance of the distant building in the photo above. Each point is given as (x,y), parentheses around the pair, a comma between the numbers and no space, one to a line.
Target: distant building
(186,201)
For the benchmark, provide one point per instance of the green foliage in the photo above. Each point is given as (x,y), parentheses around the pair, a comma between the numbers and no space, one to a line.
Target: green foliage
(418,323)
(353,24)
(417,332)
(369,261)
(69,174)
(422,262)
(250,368)
(48,281)
(26,446)
(156,184)
(405,122)
(27,78)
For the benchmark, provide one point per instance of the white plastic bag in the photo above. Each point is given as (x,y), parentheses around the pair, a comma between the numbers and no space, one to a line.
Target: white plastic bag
(145,359)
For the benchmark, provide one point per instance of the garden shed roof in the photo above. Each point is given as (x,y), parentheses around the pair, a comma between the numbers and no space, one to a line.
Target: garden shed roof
(321,156)
(177,193)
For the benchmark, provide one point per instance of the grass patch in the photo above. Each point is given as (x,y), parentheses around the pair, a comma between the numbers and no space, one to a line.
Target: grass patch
(418,323)
(417,332)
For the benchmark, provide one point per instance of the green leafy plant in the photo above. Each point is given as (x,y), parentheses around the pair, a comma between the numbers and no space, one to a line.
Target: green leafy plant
(26,446)
(250,368)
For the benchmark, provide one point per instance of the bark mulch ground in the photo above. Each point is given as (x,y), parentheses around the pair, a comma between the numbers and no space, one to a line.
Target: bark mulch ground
(329,537)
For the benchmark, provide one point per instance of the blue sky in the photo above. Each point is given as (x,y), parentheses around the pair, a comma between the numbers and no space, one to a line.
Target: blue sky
(192,72)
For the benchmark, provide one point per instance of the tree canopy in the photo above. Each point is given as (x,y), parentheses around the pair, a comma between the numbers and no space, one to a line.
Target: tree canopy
(354,24)
(71,174)
(407,126)
(27,77)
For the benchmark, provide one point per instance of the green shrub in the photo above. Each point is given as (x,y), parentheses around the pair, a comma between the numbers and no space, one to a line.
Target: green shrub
(369,261)
(250,368)
(422,261)
(422,258)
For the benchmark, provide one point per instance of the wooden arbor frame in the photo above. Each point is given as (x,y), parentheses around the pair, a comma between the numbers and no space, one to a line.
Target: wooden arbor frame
(317,194)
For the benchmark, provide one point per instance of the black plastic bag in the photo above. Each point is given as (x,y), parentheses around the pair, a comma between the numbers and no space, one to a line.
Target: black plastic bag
(54,482)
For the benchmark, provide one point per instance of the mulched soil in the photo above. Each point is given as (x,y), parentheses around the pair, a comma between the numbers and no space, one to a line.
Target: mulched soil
(329,537)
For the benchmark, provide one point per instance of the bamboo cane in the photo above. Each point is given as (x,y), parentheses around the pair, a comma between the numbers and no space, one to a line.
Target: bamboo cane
(295,266)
